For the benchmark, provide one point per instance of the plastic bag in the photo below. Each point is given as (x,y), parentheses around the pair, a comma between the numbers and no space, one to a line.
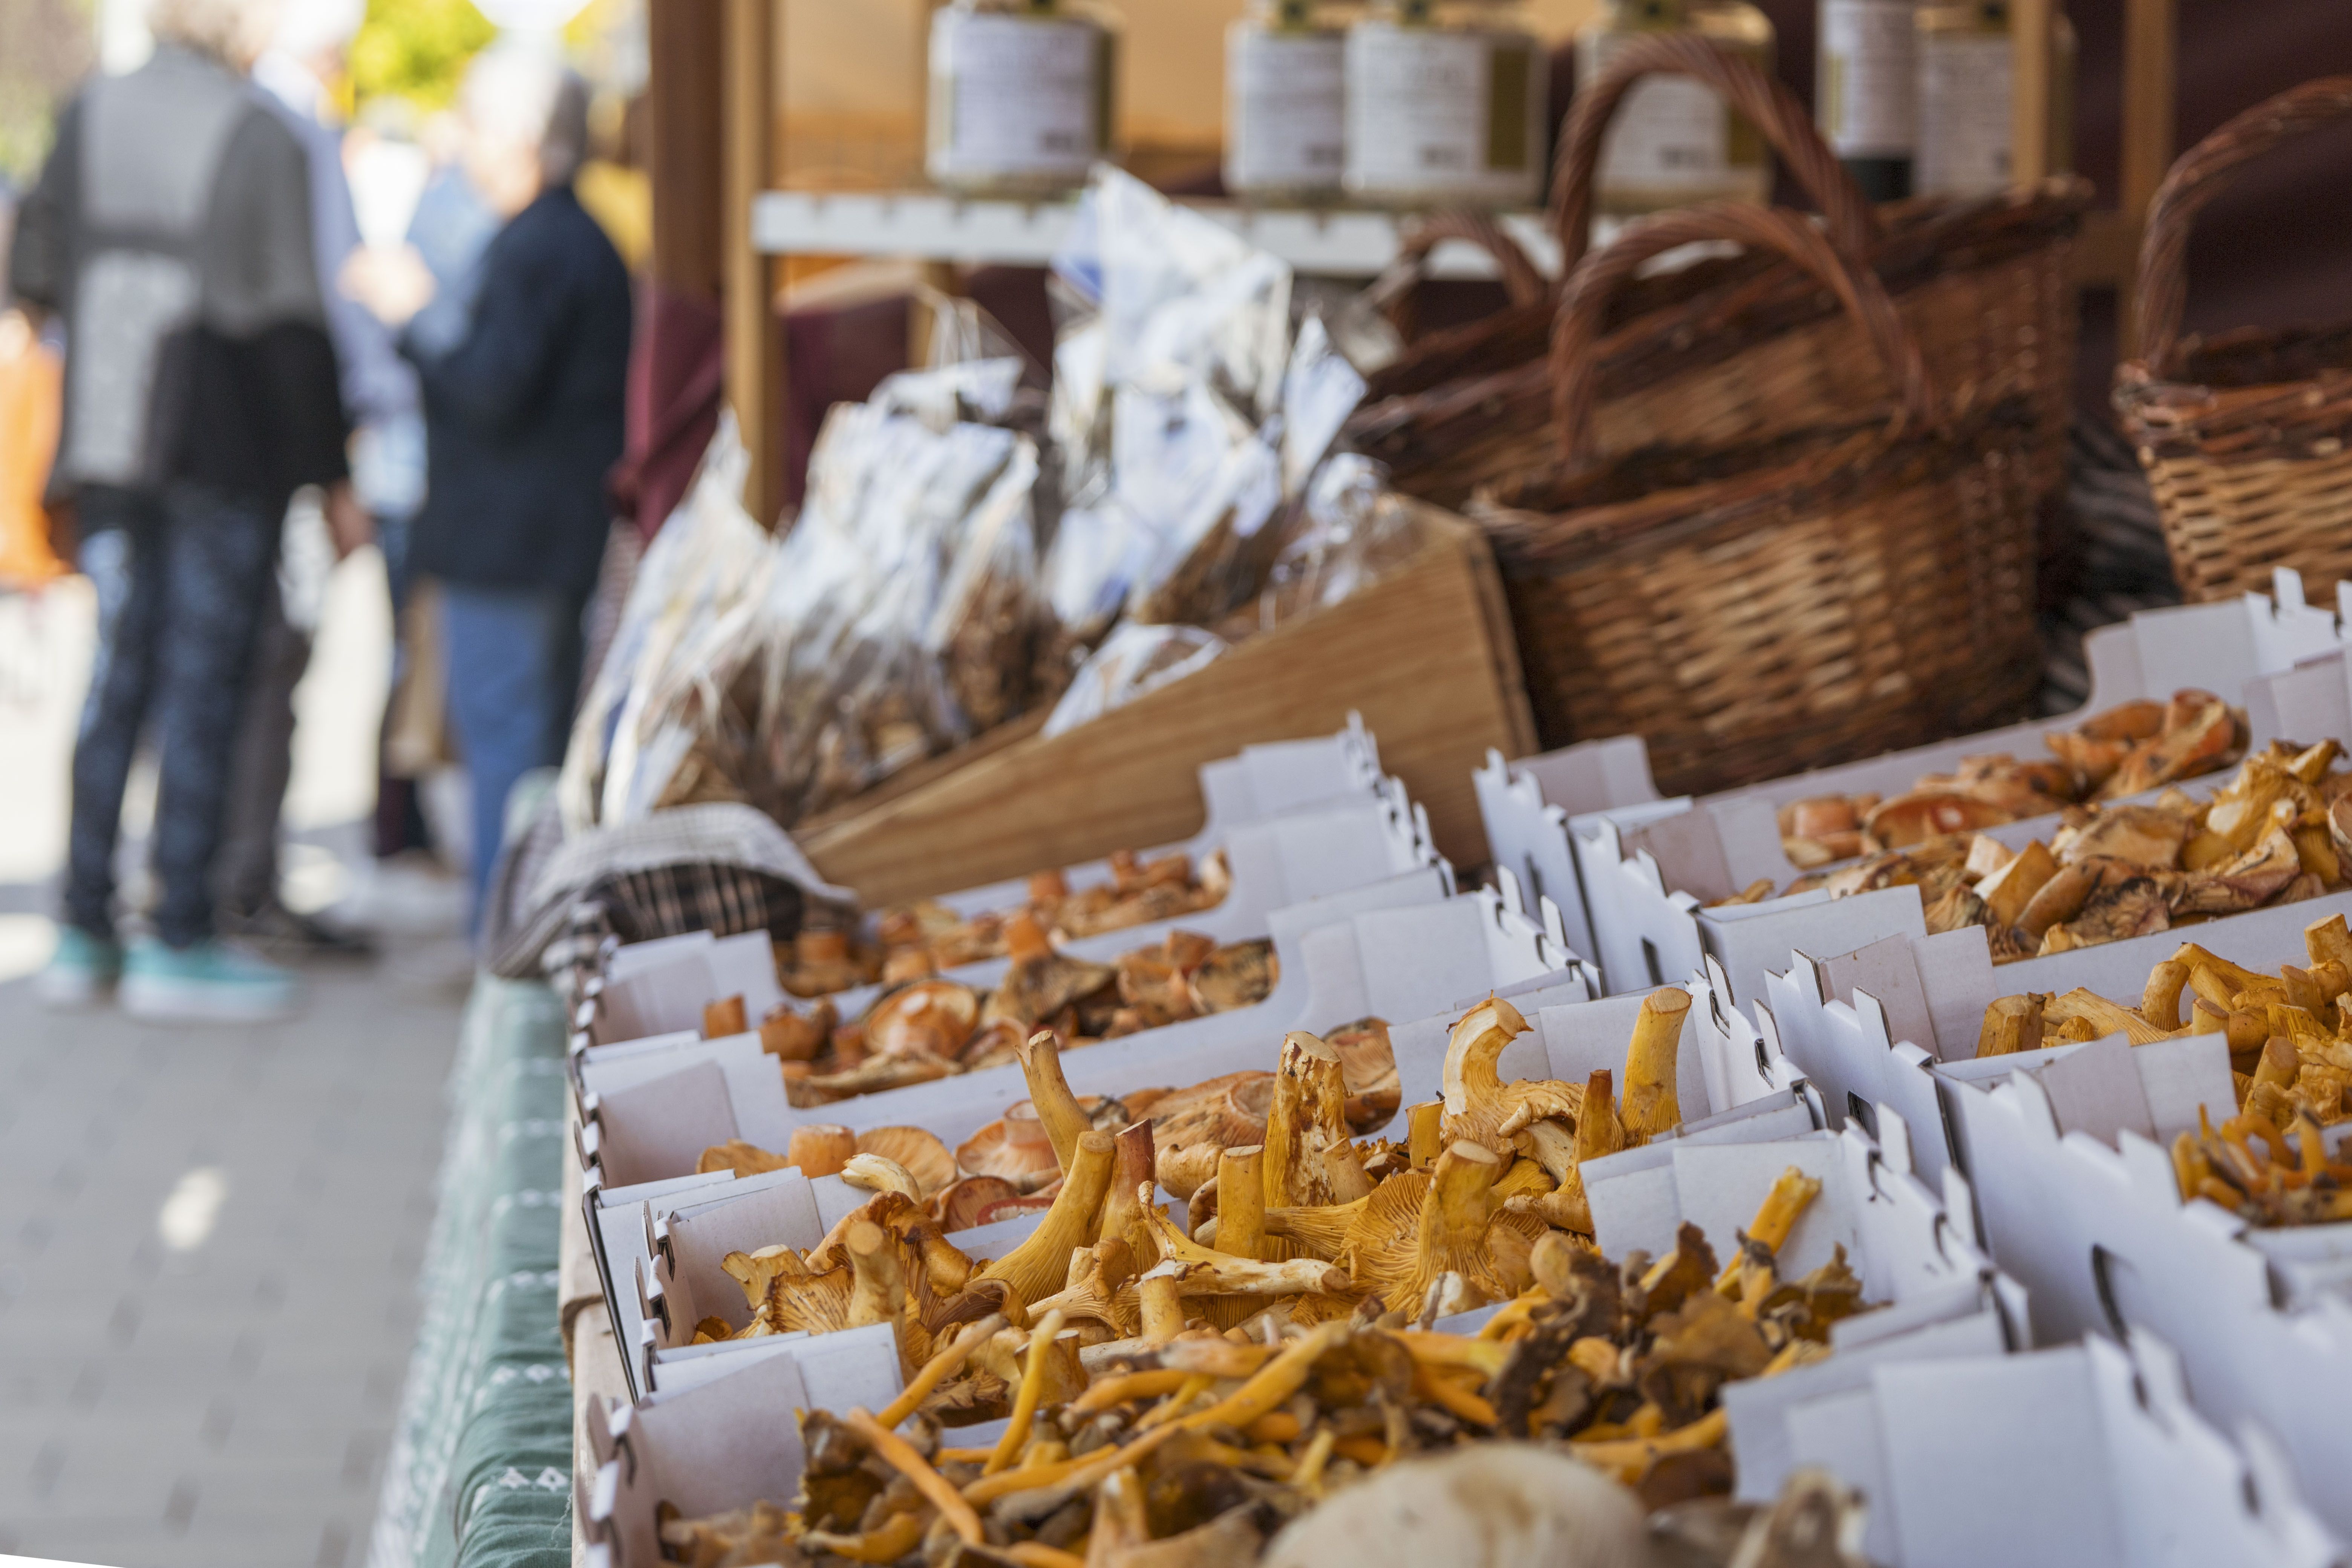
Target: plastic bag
(707,560)
(1351,530)
(1132,660)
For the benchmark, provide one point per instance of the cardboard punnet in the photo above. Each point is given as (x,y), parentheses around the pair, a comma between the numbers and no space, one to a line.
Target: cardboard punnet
(1397,950)
(724,1442)
(1868,1024)
(1275,865)
(658,991)
(2075,1189)
(2086,1456)
(1712,846)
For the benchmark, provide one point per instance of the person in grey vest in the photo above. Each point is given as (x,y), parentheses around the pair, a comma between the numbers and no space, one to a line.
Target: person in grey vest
(171,230)
(379,392)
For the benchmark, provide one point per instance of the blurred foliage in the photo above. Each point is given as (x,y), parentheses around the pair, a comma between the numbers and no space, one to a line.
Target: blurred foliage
(416,50)
(44,48)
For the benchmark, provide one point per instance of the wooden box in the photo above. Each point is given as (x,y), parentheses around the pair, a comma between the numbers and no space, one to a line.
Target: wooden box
(1425,654)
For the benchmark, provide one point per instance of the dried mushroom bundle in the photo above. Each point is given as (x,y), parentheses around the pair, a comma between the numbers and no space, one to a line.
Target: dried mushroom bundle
(1181,1442)
(2125,751)
(2277,833)
(1167,887)
(2290,1041)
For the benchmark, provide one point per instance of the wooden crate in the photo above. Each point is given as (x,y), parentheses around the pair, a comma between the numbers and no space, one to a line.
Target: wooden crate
(1426,655)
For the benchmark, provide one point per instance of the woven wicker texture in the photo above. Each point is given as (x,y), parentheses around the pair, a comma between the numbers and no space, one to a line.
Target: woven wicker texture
(1753,609)
(2244,435)
(1733,350)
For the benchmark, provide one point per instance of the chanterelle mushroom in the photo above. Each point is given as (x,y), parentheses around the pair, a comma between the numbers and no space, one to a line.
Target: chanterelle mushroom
(1477,1101)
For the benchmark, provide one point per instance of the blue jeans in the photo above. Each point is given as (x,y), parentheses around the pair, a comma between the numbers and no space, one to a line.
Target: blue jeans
(181,577)
(514,671)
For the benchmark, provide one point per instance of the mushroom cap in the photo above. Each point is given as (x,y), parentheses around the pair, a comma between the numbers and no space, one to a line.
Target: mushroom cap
(929,1017)
(920,1153)
(1239,975)
(1013,1146)
(959,1204)
(1013,1208)
(1924,814)
(1368,1064)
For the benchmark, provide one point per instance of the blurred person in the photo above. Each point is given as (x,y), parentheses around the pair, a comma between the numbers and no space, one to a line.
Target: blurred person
(449,227)
(523,420)
(171,230)
(305,55)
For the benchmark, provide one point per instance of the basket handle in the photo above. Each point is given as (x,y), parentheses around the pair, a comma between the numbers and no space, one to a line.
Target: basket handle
(2194,182)
(1765,102)
(1584,300)
(1391,292)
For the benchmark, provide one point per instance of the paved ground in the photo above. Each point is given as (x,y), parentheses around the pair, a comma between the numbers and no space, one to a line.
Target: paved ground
(209,1237)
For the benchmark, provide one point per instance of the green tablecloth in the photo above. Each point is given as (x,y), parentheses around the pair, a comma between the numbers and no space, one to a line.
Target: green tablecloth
(480,1468)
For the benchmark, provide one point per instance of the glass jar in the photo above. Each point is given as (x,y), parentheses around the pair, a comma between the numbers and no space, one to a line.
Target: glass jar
(1286,101)
(1673,142)
(1866,96)
(1445,105)
(1966,68)
(1022,95)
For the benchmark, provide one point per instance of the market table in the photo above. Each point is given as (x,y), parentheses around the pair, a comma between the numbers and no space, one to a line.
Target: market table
(480,1469)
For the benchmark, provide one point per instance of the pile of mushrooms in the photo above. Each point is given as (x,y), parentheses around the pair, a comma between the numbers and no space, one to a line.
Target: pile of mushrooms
(2290,1041)
(926,1027)
(2279,832)
(1165,887)
(1179,1442)
(2125,751)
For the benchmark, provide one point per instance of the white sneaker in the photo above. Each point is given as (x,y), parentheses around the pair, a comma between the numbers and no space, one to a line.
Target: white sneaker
(208,983)
(82,972)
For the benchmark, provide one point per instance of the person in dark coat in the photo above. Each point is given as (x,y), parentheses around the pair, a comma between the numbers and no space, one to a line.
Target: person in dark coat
(171,232)
(522,422)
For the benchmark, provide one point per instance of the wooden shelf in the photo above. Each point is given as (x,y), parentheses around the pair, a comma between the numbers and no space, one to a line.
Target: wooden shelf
(929,225)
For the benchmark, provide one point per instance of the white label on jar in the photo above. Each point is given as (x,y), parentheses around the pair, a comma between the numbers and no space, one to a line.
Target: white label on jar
(1421,112)
(1870,76)
(1287,101)
(1019,93)
(1964,114)
(1669,133)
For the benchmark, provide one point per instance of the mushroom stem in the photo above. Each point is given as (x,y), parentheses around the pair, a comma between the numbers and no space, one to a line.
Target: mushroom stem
(1241,1208)
(1423,1137)
(1775,1217)
(899,1455)
(1039,1266)
(2159,1003)
(1650,1107)
(1049,1093)
(1163,1304)
(1024,1402)
(939,1369)
(877,1292)
(1131,1179)
(1309,1114)
(723,1017)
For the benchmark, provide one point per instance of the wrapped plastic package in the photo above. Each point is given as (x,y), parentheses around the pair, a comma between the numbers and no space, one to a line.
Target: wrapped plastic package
(1132,660)
(706,562)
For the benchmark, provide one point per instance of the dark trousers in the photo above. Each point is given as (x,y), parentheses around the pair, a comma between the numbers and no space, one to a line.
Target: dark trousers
(245,875)
(514,674)
(180,576)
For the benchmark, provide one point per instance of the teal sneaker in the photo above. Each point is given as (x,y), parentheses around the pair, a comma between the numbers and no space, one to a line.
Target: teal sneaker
(82,972)
(206,982)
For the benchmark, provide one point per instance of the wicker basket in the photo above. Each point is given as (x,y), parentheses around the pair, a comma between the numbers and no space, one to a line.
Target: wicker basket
(1759,608)
(2246,437)
(1731,349)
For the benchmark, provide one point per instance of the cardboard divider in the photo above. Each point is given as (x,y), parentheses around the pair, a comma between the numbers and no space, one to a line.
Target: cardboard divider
(1644,866)
(2087,1456)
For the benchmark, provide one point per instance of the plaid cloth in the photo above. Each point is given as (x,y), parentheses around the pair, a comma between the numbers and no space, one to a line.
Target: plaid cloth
(721,867)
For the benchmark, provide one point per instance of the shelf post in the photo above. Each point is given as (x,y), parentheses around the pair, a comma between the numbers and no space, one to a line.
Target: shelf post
(755,356)
(2150,74)
(2029,105)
